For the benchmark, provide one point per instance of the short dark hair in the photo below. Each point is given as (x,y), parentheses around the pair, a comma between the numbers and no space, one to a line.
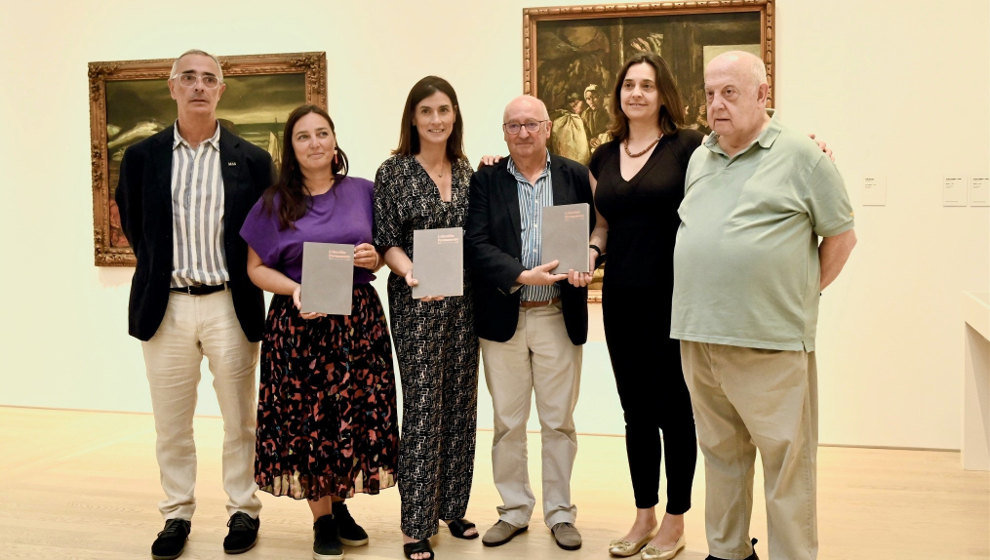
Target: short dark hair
(671,117)
(409,137)
(289,187)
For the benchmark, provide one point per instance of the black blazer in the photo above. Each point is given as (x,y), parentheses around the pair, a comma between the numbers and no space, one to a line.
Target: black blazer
(493,243)
(144,197)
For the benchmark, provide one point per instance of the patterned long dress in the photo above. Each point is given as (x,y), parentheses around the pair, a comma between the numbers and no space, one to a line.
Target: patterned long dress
(437,351)
(327,421)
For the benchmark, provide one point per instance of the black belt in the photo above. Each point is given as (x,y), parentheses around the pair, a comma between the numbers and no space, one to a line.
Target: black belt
(199,289)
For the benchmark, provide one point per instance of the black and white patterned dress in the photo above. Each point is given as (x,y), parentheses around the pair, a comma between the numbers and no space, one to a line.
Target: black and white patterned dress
(437,351)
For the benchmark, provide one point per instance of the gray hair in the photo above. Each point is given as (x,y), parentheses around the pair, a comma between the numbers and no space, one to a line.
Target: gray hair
(175,65)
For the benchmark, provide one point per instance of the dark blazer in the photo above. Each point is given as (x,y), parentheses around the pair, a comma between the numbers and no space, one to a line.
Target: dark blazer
(144,197)
(493,244)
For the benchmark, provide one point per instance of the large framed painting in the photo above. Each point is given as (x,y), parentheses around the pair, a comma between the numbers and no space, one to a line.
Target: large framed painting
(572,53)
(129,101)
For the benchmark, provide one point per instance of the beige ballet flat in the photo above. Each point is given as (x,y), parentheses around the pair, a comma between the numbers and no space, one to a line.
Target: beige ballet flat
(625,549)
(653,553)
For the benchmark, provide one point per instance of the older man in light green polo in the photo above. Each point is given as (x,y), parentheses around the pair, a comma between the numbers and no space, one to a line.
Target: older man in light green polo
(749,270)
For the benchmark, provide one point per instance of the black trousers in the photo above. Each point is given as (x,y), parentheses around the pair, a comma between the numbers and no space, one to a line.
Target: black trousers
(654,396)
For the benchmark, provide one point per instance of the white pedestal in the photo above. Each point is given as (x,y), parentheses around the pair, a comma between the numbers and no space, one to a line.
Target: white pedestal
(976,385)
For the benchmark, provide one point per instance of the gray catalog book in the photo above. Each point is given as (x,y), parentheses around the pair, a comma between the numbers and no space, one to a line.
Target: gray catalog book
(327,278)
(439,262)
(565,236)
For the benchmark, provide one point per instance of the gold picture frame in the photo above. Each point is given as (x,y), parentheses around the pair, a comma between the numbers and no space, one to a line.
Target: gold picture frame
(129,101)
(572,53)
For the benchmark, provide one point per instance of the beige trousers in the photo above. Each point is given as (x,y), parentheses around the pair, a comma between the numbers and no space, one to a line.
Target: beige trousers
(747,399)
(539,359)
(193,327)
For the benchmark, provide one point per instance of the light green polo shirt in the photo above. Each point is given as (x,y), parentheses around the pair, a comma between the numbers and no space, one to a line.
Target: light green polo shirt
(746,270)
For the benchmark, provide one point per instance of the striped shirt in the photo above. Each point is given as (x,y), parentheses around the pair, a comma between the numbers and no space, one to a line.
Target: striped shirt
(197,213)
(532,199)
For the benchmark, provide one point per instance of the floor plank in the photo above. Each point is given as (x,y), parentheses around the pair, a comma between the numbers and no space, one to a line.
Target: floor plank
(85,485)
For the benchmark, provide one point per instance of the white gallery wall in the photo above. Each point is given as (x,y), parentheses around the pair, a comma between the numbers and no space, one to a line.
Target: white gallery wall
(900,91)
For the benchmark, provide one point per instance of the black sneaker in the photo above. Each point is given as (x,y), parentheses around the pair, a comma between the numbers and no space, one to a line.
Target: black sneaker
(242,535)
(326,540)
(351,534)
(171,540)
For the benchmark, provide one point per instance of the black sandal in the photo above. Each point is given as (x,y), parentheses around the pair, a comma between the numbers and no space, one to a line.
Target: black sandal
(418,547)
(460,526)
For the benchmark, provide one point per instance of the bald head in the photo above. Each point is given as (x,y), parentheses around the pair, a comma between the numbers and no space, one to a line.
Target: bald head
(528,148)
(529,104)
(736,90)
(743,62)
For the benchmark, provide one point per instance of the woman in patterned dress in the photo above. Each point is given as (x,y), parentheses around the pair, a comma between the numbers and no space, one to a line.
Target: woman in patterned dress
(424,185)
(327,425)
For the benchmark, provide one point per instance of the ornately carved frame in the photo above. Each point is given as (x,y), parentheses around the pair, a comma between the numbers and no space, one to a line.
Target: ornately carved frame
(533,16)
(312,64)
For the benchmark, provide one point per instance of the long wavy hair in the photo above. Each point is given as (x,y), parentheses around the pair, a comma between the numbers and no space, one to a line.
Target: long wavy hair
(409,136)
(289,188)
(671,117)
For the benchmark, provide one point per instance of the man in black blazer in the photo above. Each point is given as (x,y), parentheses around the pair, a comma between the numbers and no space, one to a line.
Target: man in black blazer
(183,195)
(531,320)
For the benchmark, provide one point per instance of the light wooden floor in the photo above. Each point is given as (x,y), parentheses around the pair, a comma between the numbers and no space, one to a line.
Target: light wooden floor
(84,485)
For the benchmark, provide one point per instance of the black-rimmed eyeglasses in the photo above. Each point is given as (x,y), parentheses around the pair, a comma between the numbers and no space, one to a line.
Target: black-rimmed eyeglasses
(514,128)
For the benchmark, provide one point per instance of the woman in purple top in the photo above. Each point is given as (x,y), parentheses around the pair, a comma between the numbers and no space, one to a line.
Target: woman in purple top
(327,425)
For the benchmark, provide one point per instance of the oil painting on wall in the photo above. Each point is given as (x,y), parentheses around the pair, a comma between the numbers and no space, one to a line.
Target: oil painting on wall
(129,101)
(571,55)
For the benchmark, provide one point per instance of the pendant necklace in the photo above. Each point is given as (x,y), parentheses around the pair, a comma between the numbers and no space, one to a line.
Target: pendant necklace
(439,175)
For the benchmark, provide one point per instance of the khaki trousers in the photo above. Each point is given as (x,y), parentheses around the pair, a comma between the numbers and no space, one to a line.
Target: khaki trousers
(747,399)
(539,359)
(193,327)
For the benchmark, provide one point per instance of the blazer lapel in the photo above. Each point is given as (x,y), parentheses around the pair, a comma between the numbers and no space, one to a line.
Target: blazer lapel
(162,189)
(509,198)
(232,168)
(562,191)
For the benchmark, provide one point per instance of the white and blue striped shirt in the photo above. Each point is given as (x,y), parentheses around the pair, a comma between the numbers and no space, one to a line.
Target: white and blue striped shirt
(197,213)
(532,199)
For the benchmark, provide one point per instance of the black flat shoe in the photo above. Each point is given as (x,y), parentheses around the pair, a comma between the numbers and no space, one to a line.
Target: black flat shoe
(418,547)
(460,526)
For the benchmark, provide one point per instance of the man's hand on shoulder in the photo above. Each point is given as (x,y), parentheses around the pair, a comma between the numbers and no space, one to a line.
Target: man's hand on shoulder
(488,160)
(823,146)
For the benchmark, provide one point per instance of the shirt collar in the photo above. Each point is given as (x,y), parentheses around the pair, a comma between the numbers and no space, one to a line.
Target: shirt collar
(178,140)
(765,139)
(511,168)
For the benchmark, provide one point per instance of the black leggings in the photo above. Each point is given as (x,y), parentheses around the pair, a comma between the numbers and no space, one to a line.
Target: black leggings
(654,397)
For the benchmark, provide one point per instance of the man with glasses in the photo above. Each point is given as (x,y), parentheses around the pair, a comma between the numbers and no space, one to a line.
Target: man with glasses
(532,319)
(183,196)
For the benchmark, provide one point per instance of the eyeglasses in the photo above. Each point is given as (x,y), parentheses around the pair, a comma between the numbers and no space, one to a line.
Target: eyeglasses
(514,128)
(189,80)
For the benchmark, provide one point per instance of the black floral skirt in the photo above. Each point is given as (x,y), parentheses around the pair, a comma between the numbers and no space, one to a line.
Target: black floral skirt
(327,424)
